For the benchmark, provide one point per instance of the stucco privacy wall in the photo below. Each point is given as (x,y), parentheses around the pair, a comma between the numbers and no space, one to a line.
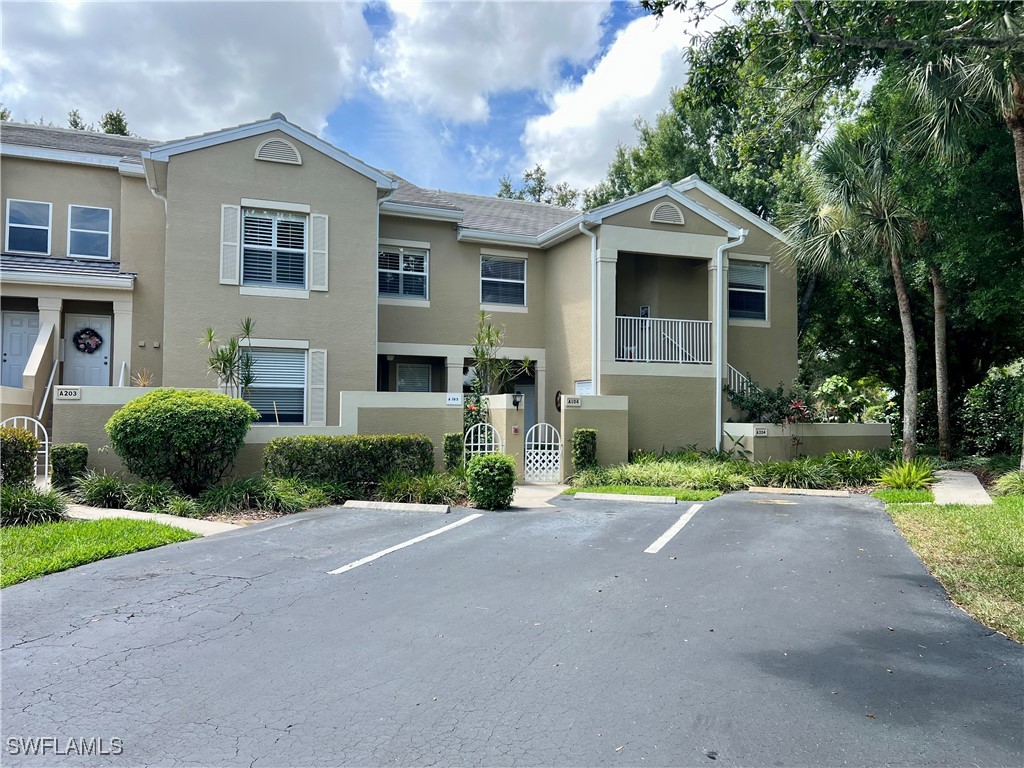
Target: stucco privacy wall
(568,337)
(62,185)
(15,402)
(773,442)
(666,411)
(610,417)
(341,320)
(454,291)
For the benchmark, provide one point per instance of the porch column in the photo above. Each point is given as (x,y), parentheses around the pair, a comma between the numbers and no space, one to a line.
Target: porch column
(542,398)
(713,307)
(454,367)
(49,312)
(122,343)
(607,259)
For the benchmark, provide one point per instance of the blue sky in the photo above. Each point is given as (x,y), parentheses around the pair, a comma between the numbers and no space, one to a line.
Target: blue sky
(451,95)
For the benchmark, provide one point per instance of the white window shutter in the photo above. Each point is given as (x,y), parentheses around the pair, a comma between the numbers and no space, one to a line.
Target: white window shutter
(317,388)
(318,252)
(230,216)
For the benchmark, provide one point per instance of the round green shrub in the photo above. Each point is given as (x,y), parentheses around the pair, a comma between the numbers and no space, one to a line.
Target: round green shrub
(492,480)
(18,449)
(68,461)
(187,437)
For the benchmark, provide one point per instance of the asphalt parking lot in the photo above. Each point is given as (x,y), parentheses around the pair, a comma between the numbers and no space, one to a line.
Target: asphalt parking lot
(769,630)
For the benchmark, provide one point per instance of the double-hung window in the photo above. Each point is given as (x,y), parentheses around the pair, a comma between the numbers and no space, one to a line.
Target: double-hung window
(502,281)
(402,272)
(274,246)
(88,232)
(28,227)
(748,290)
(279,389)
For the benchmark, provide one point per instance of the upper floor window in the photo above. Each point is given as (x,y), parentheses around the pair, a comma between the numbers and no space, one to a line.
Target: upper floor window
(88,232)
(748,290)
(28,227)
(402,272)
(502,281)
(274,249)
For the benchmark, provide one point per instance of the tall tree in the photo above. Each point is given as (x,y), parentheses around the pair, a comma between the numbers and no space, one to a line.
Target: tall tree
(76,122)
(5,114)
(114,122)
(537,188)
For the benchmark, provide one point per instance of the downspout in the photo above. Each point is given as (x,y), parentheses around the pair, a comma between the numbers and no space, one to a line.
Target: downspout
(722,317)
(376,296)
(595,301)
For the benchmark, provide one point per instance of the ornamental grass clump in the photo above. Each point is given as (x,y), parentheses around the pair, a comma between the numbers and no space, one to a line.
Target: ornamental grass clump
(25,505)
(99,489)
(693,474)
(1010,484)
(915,475)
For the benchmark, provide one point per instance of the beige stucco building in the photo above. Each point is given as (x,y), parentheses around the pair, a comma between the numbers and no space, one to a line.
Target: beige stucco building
(119,253)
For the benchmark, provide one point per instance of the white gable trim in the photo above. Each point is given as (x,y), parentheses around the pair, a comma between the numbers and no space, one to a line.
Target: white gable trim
(59,155)
(164,152)
(695,182)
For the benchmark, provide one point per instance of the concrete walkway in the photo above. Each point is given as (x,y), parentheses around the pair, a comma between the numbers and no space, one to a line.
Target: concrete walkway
(537,496)
(202,527)
(959,488)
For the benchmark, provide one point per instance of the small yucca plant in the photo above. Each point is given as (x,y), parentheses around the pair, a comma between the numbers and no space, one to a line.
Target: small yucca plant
(915,475)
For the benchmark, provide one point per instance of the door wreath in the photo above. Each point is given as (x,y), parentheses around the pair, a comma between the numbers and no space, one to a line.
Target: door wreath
(87,340)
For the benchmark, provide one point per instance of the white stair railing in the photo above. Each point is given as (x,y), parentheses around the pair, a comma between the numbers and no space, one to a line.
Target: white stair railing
(737,381)
(46,392)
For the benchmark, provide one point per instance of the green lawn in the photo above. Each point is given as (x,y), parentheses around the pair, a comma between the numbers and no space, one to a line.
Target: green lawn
(977,553)
(35,550)
(647,490)
(903,496)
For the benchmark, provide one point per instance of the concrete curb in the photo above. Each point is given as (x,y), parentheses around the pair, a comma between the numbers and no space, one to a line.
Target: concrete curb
(394,506)
(800,492)
(202,527)
(625,497)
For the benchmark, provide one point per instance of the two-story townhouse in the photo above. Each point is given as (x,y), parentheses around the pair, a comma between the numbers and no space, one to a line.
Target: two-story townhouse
(119,253)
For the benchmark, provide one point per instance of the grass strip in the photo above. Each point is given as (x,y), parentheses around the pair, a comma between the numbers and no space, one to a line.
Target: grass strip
(903,496)
(27,552)
(682,494)
(977,553)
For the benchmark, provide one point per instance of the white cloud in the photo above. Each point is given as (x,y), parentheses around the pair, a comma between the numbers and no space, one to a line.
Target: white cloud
(447,59)
(181,68)
(576,139)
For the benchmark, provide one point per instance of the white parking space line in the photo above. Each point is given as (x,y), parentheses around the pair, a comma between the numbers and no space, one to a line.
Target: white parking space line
(404,544)
(677,526)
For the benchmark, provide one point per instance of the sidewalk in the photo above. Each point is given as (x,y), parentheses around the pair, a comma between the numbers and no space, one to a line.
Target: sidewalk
(202,527)
(531,496)
(959,488)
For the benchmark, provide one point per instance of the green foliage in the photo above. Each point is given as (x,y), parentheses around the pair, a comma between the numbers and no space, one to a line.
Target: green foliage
(692,473)
(98,489)
(115,122)
(453,447)
(18,449)
(188,437)
(537,188)
(68,461)
(903,496)
(492,480)
(915,474)
(761,405)
(431,488)
(355,461)
(493,371)
(182,506)
(584,449)
(856,468)
(149,496)
(25,505)
(278,494)
(1010,484)
(803,472)
(993,412)
(681,494)
(230,361)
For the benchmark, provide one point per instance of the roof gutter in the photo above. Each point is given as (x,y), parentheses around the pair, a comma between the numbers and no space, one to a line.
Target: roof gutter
(496,238)
(595,313)
(722,317)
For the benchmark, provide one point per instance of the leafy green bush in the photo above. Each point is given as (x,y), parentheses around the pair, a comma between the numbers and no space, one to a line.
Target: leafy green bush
(359,461)
(18,449)
(67,462)
(182,506)
(431,488)
(492,480)
(188,437)
(584,449)
(25,505)
(452,448)
(993,413)
(1010,484)
(804,472)
(275,495)
(149,497)
(760,405)
(98,489)
(855,468)
(915,475)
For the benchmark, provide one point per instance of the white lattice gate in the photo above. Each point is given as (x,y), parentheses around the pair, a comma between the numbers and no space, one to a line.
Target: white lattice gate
(543,454)
(39,433)
(481,439)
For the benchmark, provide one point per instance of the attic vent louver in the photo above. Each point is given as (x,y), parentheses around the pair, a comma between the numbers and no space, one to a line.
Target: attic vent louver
(278,151)
(667,213)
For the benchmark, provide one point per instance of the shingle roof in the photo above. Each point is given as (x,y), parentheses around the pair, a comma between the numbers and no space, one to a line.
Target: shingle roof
(13,263)
(72,141)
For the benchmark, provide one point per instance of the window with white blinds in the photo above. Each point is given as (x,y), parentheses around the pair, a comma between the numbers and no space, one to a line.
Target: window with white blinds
(748,290)
(402,272)
(273,249)
(279,389)
(502,281)
(413,377)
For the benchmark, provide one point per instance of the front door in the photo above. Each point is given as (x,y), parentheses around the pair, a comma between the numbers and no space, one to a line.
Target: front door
(20,330)
(87,362)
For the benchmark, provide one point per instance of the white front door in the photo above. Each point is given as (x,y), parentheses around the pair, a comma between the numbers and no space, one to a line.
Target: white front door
(20,330)
(82,367)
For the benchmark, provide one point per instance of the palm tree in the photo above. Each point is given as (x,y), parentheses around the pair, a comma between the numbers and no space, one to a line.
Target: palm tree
(853,216)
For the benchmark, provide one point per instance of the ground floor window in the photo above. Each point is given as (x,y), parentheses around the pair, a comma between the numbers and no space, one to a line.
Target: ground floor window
(413,377)
(279,391)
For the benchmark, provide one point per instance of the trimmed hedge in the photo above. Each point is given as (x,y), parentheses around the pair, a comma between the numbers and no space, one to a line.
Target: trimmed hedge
(492,480)
(18,449)
(453,447)
(353,460)
(584,449)
(188,437)
(68,461)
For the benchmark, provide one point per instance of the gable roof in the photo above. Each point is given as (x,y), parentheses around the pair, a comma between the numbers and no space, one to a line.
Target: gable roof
(696,182)
(70,140)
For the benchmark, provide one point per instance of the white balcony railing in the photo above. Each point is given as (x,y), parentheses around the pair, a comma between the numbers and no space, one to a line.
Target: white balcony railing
(659,340)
